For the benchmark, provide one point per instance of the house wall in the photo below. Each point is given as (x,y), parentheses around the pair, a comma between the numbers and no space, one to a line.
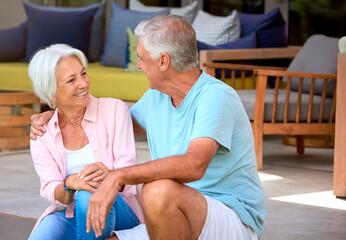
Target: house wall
(11,13)
(284,8)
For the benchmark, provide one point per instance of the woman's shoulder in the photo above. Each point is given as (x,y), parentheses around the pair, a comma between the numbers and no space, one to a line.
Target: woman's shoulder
(111,106)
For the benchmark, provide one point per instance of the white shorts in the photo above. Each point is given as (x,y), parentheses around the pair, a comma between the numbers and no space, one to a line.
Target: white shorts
(222,223)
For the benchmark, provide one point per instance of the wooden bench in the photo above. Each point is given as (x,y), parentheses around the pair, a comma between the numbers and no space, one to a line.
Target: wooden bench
(15,112)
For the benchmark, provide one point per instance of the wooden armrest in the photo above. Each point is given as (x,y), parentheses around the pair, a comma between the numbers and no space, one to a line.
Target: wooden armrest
(268,72)
(247,54)
(211,65)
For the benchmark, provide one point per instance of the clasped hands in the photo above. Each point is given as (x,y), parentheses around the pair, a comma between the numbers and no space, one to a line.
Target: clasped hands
(89,178)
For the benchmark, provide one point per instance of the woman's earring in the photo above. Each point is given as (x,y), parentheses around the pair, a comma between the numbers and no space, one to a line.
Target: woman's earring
(54,106)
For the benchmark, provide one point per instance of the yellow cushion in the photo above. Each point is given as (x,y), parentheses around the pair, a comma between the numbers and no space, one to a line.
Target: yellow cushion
(115,82)
(14,76)
(248,82)
(104,81)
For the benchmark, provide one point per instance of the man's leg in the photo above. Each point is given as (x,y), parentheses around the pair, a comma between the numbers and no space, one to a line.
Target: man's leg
(173,210)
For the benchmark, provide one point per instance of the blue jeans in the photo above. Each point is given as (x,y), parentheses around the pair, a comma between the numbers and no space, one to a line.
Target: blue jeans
(56,226)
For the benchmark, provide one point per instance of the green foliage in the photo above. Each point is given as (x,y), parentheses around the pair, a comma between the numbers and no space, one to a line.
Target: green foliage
(78,3)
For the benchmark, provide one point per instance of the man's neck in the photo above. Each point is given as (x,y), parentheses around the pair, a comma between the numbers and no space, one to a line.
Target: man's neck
(181,84)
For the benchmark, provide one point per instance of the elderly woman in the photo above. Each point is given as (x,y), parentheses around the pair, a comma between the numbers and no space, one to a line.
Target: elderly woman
(85,138)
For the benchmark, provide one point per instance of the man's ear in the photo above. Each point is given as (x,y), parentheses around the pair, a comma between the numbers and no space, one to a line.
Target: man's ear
(165,61)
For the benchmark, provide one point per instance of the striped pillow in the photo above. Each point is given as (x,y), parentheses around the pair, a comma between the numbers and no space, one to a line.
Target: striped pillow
(189,12)
(215,30)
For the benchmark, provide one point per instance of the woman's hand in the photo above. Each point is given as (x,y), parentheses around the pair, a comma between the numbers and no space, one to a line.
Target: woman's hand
(37,122)
(95,172)
(74,182)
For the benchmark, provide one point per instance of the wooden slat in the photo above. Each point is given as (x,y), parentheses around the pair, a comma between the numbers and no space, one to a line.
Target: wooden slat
(223,74)
(311,96)
(233,79)
(275,100)
(18,98)
(253,80)
(298,129)
(242,79)
(9,121)
(332,111)
(299,100)
(323,99)
(210,70)
(14,142)
(287,100)
(240,66)
(12,131)
(247,54)
(268,72)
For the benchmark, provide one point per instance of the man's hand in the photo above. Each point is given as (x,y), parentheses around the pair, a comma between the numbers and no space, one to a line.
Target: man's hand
(37,122)
(100,203)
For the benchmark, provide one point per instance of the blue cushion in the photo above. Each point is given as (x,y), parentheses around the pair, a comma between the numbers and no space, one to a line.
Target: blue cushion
(115,48)
(97,33)
(49,25)
(241,43)
(269,27)
(13,43)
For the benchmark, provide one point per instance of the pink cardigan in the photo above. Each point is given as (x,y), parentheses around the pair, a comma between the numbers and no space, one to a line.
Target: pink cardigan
(108,126)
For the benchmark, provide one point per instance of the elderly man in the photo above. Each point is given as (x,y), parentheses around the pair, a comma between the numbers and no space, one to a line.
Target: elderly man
(203,181)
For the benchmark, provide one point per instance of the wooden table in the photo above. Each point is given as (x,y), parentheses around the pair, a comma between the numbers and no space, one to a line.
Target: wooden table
(339,181)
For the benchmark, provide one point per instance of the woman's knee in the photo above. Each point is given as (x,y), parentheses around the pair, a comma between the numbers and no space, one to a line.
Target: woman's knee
(55,226)
(82,201)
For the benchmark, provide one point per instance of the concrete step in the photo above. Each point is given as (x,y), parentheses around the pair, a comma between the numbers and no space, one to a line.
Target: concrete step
(13,227)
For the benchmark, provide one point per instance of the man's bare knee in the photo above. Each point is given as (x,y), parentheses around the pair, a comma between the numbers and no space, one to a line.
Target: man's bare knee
(158,195)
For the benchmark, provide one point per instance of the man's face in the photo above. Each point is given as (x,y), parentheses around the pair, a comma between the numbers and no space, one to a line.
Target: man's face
(148,65)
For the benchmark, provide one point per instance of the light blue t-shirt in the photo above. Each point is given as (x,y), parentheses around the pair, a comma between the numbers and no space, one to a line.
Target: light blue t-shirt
(210,109)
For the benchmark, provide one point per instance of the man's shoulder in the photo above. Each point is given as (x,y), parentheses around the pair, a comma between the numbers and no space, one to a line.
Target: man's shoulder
(214,87)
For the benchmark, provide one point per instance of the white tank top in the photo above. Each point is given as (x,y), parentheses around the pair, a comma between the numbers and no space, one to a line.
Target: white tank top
(76,160)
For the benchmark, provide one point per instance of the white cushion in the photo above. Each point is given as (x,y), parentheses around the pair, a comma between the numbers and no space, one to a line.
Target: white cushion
(189,12)
(216,30)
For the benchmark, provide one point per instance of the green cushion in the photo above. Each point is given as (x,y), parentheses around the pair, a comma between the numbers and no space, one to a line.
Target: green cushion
(104,81)
(133,42)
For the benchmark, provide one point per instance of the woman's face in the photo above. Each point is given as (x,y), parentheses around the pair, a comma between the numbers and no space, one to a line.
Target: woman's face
(72,84)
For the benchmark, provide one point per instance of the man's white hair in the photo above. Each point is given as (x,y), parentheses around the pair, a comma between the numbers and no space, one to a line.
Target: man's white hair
(173,35)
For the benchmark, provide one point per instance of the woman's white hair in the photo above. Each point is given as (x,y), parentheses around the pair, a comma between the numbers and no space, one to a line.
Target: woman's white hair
(43,67)
(173,35)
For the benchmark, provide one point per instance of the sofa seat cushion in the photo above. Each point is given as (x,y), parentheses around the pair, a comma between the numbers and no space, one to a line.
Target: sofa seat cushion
(104,81)
(115,82)
(248,98)
(14,76)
